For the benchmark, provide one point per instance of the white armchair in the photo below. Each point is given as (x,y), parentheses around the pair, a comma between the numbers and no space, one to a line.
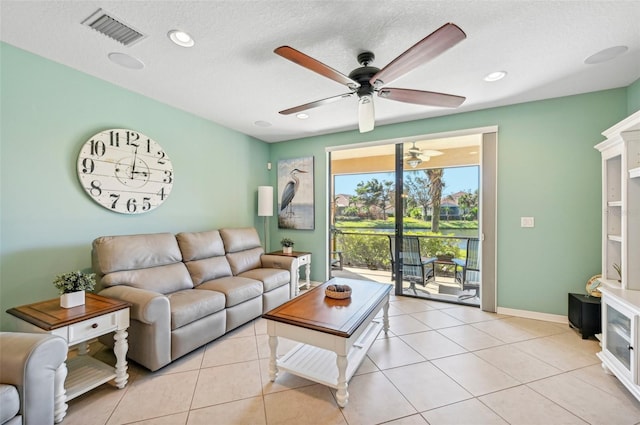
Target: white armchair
(28,365)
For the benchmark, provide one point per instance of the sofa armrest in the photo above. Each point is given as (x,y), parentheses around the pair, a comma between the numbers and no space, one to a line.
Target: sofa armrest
(29,362)
(147,306)
(282,262)
(277,262)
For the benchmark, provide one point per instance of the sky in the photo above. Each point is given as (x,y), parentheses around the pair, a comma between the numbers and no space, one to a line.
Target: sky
(456,179)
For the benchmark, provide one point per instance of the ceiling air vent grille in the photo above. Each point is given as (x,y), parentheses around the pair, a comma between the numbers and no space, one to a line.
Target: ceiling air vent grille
(106,24)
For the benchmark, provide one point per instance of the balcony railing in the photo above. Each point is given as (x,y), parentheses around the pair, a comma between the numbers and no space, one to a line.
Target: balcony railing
(372,250)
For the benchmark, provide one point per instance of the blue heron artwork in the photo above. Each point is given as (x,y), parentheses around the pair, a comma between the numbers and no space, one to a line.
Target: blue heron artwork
(295,194)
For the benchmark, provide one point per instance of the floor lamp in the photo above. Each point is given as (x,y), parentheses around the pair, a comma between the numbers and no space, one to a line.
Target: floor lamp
(265,209)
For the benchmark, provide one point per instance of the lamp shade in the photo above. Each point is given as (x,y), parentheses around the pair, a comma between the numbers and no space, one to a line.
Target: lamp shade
(265,201)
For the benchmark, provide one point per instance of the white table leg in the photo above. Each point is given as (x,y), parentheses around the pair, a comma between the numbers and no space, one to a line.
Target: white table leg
(342,395)
(308,274)
(385,316)
(120,349)
(273,351)
(297,280)
(60,394)
(83,348)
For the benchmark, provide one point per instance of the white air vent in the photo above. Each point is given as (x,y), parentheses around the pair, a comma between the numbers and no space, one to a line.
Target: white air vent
(112,27)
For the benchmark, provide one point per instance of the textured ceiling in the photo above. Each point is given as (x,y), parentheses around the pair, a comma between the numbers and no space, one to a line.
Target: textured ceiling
(231,76)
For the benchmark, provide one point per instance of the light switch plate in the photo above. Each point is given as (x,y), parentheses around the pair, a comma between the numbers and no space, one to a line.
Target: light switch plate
(527,222)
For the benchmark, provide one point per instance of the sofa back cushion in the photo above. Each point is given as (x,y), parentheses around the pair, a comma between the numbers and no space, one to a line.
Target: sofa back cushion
(151,261)
(203,253)
(199,245)
(240,239)
(162,279)
(243,261)
(243,249)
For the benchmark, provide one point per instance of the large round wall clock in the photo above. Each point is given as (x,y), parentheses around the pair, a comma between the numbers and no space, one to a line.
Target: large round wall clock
(125,171)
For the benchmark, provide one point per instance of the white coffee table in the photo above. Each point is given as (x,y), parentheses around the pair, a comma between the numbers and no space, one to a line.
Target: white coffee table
(334,335)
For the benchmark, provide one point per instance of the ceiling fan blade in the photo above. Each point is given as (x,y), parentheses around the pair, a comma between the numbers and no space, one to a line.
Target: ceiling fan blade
(420,97)
(366,114)
(315,104)
(424,50)
(314,65)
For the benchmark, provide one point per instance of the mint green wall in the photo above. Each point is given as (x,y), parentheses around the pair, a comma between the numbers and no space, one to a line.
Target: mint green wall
(47,112)
(633,97)
(547,168)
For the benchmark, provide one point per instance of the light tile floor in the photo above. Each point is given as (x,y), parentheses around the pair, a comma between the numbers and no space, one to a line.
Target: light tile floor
(439,364)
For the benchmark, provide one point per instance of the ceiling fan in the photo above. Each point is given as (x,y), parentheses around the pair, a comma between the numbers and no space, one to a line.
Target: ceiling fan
(417,156)
(366,80)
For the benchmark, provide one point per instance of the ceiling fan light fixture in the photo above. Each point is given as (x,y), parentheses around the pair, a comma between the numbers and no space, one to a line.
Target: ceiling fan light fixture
(366,113)
(414,162)
(181,38)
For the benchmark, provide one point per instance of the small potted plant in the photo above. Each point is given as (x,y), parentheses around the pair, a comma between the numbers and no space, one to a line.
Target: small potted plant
(287,245)
(618,269)
(72,287)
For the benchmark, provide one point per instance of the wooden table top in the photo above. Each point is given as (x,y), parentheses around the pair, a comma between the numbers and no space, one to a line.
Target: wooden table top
(313,310)
(48,315)
(295,254)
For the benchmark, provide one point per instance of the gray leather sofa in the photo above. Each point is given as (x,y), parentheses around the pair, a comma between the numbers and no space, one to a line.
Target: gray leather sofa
(188,289)
(28,364)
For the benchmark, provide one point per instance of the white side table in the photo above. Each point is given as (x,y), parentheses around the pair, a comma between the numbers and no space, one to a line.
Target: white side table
(300,259)
(98,316)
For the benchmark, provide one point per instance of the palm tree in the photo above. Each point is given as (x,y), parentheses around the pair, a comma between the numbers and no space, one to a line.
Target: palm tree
(436,184)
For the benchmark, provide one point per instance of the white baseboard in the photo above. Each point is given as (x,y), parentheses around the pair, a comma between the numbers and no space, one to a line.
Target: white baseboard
(557,318)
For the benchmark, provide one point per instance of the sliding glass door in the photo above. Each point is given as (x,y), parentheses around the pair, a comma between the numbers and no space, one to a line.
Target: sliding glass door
(407,213)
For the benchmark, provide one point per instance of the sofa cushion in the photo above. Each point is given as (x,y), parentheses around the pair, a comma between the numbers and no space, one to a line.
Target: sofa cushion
(240,239)
(242,261)
(208,269)
(10,402)
(190,305)
(115,253)
(199,245)
(270,278)
(236,289)
(163,279)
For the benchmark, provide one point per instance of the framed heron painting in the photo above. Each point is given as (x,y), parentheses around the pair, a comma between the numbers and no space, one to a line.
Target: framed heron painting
(295,194)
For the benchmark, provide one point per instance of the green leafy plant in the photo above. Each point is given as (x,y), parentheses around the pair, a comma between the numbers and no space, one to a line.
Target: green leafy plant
(286,242)
(74,281)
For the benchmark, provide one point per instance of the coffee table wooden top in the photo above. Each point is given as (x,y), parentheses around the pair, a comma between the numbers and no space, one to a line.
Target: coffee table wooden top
(314,310)
(48,315)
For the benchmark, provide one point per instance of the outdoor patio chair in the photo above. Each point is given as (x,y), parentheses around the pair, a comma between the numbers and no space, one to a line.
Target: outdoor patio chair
(337,260)
(467,270)
(415,268)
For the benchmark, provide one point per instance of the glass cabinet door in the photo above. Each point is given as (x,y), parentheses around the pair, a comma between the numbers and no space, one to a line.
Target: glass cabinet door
(618,341)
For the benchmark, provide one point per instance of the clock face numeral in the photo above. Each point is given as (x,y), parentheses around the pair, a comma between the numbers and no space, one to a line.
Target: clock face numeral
(125,171)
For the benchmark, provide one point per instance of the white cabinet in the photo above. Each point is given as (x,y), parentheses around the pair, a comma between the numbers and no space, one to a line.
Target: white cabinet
(621,251)
(621,204)
(620,315)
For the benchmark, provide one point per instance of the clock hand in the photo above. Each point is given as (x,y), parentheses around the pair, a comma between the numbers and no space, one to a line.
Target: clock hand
(133,168)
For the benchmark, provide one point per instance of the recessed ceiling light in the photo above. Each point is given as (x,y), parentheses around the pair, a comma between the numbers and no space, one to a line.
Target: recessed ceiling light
(262,123)
(302,116)
(495,76)
(181,38)
(125,60)
(606,55)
